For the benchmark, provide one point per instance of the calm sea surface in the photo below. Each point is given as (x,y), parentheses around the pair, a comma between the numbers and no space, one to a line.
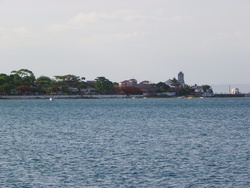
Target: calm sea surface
(125,143)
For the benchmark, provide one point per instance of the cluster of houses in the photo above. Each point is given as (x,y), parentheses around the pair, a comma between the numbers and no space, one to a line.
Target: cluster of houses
(149,89)
(144,86)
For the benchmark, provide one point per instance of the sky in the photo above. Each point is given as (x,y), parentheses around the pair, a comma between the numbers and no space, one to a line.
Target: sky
(208,40)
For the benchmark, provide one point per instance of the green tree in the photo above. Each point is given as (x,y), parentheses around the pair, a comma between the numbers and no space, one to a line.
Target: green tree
(5,88)
(27,76)
(71,81)
(4,78)
(162,87)
(185,90)
(43,85)
(5,84)
(206,87)
(15,80)
(175,82)
(104,86)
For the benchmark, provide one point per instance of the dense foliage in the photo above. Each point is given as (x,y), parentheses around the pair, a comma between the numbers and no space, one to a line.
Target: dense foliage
(24,82)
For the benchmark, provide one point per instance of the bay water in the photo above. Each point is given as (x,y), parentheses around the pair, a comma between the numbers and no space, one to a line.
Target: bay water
(125,143)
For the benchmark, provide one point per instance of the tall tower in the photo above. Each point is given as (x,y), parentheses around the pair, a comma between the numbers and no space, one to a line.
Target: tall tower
(181,78)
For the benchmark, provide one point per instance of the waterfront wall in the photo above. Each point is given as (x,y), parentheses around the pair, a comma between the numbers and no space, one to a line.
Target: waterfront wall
(229,95)
(99,96)
(62,96)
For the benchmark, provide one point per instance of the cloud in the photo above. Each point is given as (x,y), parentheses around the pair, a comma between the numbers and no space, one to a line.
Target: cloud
(108,38)
(80,21)
(90,28)
(235,42)
(84,20)
(125,36)
(15,35)
(14,31)
(229,35)
(178,18)
(121,16)
(156,18)
(223,37)
(130,18)
(55,28)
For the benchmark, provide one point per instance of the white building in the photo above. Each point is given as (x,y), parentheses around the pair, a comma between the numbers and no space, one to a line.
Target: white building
(199,89)
(169,82)
(235,91)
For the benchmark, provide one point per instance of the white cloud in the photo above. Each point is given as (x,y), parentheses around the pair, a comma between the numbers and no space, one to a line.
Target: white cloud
(115,37)
(179,18)
(229,35)
(134,17)
(21,31)
(14,31)
(16,35)
(79,21)
(228,44)
(55,28)
(125,36)
(223,37)
(83,20)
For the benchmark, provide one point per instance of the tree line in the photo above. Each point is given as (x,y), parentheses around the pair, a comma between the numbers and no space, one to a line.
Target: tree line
(24,81)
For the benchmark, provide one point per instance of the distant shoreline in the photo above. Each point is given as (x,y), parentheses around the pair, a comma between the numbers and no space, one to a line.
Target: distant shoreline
(47,97)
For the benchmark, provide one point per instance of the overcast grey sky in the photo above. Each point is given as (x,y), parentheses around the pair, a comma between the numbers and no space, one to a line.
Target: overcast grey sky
(208,40)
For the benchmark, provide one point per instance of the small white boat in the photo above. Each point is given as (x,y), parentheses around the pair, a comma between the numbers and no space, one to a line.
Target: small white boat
(182,97)
(51,99)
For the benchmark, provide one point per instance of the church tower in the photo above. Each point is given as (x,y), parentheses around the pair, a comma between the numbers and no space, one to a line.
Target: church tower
(181,78)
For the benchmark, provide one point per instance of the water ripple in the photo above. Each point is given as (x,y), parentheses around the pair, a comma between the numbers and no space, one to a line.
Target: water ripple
(125,143)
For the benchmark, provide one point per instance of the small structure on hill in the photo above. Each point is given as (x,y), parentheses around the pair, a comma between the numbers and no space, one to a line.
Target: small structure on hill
(131,82)
(181,79)
(144,87)
(169,82)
